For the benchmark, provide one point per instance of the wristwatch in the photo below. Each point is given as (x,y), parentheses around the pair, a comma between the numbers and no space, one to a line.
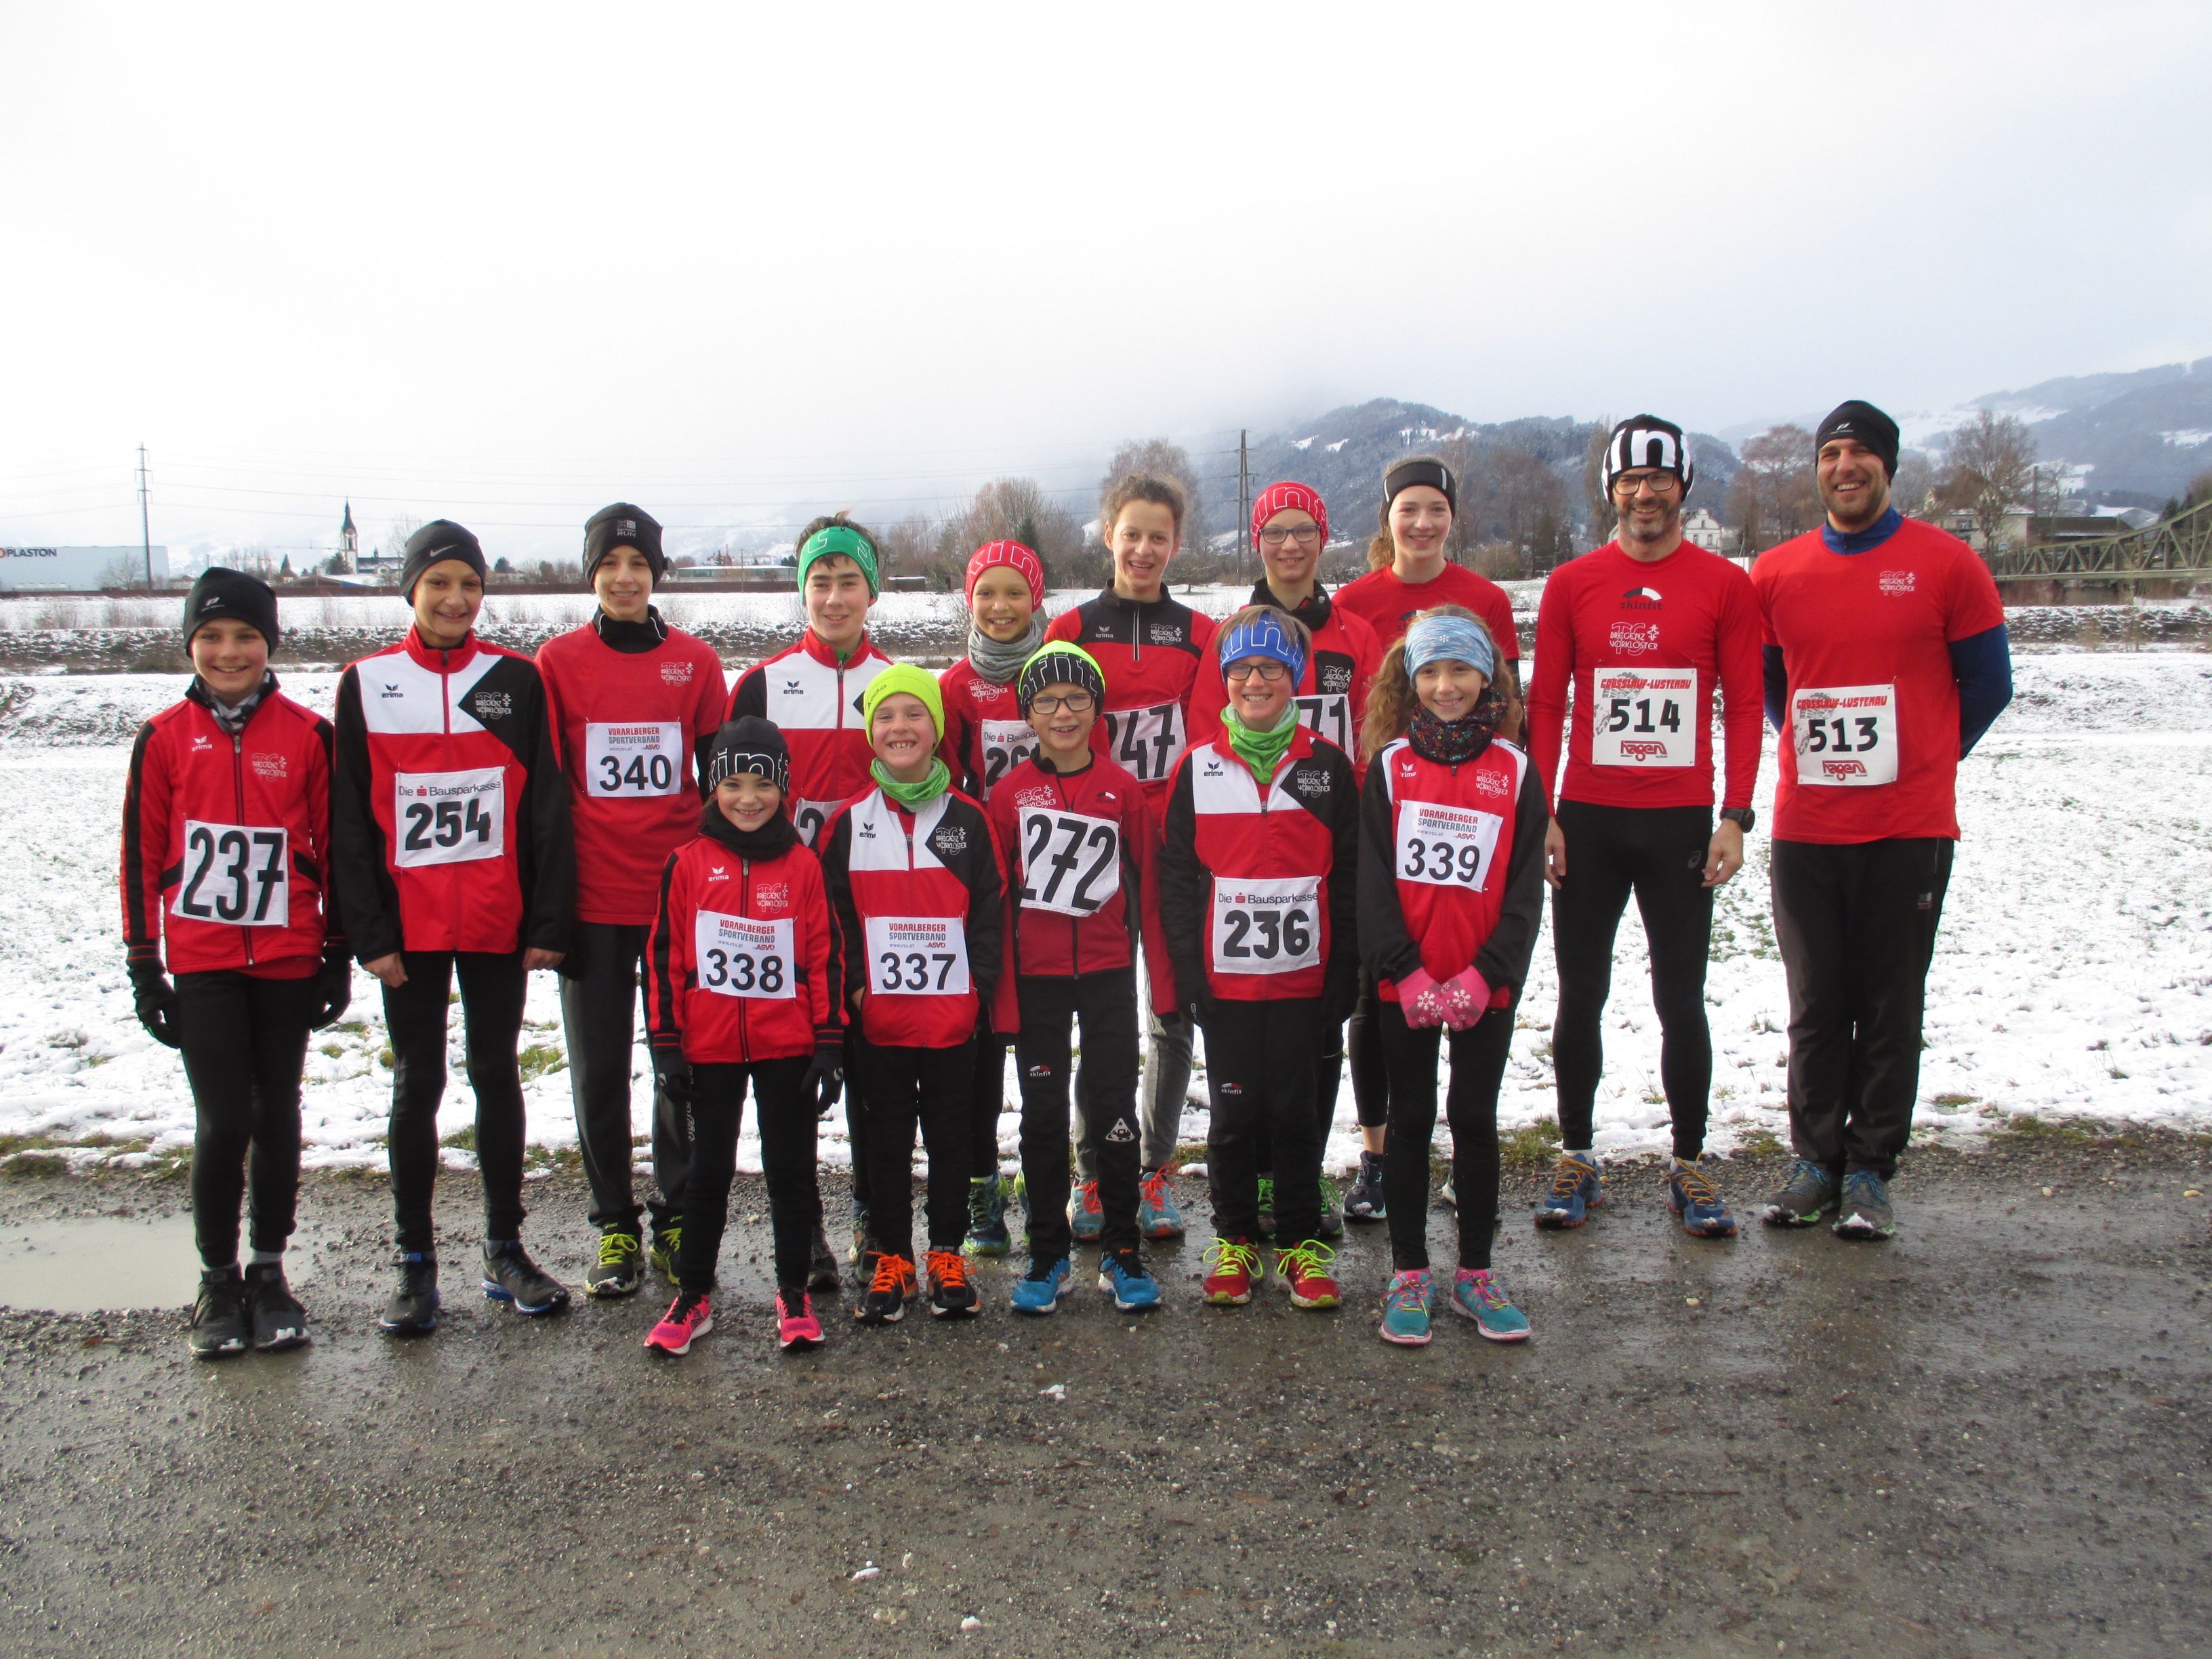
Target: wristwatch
(1742,817)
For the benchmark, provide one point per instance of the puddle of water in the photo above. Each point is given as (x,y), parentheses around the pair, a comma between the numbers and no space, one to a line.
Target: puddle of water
(85,1263)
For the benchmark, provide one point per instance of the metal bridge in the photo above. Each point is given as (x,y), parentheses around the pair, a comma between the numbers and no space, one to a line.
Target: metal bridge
(2179,548)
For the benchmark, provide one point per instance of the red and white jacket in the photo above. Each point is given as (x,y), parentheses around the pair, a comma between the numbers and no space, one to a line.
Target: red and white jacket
(816,703)
(985,735)
(1080,846)
(630,725)
(449,816)
(1332,694)
(1150,655)
(742,962)
(919,899)
(1451,867)
(1257,888)
(226,841)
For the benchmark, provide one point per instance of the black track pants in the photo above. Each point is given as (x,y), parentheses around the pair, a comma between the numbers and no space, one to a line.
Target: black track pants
(786,1132)
(856,1113)
(1658,852)
(988,1099)
(599,1011)
(1857,927)
(244,1043)
(1478,1067)
(1260,1070)
(906,1088)
(1106,1005)
(492,987)
(1370,1082)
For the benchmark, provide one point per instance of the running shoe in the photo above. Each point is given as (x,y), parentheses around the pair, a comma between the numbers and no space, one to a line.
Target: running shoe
(864,1241)
(1482,1298)
(987,1215)
(1692,1195)
(510,1276)
(822,1265)
(413,1308)
(1085,1215)
(1304,1269)
(1406,1306)
(1332,1208)
(667,1245)
(1446,1196)
(797,1329)
(1158,1216)
(1121,1275)
(219,1324)
(951,1295)
(279,1321)
(1236,1269)
(1267,1206)
(1039,1289)
(687,1317)
(1364,1202)
(884,1302)
(1864,1212)
(1576,1189)
(1810,1190)
(620,1268)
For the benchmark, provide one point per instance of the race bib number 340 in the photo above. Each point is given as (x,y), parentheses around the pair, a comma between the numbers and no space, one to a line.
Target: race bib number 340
(1446,846)
(1266,927)
(1145,740)
(448,818)
(917,955)
(235,873)
(1845,735)
(738,957)
(633,759)
(1644,717)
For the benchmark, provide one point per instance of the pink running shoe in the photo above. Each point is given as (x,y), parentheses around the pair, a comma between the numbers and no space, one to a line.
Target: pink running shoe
(796,1327)
(687,1317)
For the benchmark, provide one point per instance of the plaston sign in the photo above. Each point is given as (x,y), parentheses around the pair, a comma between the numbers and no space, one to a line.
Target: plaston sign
(77,568)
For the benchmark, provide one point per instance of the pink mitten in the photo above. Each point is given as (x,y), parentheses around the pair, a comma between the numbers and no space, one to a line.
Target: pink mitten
(1466,995)
(1421,999)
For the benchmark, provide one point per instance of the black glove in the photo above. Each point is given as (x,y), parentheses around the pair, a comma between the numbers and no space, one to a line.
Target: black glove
(1198,1010)
(824,1084)
(156,1001)
(333,989)
(572,960)
(672,1074)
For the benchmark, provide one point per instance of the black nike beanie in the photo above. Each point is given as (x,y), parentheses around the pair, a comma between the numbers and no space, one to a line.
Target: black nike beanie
(622,525)
(436,541)
(1867,424)
(221,593)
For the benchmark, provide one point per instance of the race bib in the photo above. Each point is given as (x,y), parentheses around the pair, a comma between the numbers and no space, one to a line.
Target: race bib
(1845,735)
(1266,926)
(448,818)
(634,759)
(738,957)
(1446,846)
(1071,864)
(235,873)
(809,816)
(917,955)
(1644,717)
(1145,740)
(1007,744)
(1330,714)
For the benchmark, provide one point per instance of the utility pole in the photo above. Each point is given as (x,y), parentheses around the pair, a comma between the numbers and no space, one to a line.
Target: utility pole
(1244,500)
(145,528)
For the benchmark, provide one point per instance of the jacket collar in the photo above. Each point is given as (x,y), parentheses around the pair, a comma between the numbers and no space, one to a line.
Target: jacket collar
(441,662)
(1314,613)
(815,646)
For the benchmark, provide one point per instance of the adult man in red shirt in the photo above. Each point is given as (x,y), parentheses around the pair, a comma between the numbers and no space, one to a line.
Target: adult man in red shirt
(1644,630)
(1886,659)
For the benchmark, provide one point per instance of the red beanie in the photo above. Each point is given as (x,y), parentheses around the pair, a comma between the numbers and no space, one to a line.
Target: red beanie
(1276,497)
(1013,554)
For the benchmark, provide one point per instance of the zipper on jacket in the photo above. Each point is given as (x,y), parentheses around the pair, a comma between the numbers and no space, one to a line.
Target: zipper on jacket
(446,718)
(238,794)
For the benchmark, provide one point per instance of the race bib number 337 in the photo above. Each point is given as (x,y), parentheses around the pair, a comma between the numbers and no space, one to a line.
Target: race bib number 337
(448,818)
(738,957)
(917,955)
(1266,927)
(1845,735)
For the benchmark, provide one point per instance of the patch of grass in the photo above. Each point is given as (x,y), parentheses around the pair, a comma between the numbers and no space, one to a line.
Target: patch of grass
(1190,1152)
(538,1058)
(1952,1102)
(31,1161)
(1534,1145)
(352,1027)
(553,1158)
(334,1050)
(462,1139)
(383,1057)
(2025,1129)
(1759,1143)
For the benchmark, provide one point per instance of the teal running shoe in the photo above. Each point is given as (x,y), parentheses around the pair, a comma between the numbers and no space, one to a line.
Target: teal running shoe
(1039,1289)
(1478,1296)
(1406,1306)
(1123,1277)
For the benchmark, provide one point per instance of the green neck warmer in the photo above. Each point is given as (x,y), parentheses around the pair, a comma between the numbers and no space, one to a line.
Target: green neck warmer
(914,796)
(1261,751)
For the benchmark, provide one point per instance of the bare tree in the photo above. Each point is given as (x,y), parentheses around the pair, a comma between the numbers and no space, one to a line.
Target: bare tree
(1914,484)
(395,539)
(1987,466)
(1775,496)
(908,548)
(1595,496)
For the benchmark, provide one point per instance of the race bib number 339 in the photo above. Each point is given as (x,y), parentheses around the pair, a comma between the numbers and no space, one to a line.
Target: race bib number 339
(1644,717)
(738,957)
(917,955)
(634,759)
(1846,735)
(235,873)
(1266,927)
(1446,846)
(448,818)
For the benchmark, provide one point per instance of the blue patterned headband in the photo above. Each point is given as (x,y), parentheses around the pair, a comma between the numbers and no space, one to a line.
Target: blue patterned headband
(1263,637)
(1450,638)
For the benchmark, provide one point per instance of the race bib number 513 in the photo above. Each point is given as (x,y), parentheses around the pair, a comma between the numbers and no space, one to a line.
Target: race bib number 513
(448,818)
(1845,735)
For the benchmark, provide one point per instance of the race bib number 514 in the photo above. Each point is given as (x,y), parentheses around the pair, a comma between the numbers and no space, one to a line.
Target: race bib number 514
(1644,717)
(1845,735)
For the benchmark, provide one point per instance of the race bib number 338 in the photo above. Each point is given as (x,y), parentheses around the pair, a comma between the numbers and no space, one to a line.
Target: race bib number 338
(738,957)
(1846,735)
(1266,927)
(448,818)
(917,955)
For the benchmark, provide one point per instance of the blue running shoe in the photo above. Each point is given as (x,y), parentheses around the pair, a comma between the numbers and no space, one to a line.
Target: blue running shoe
(1123,1277)
(1576,1189)
(1157,1214)
(1809,1191)
(1692,1195)
(1086,1216)
(1864,1212)
(1482,1298)
(987,1215)
(1039,1289)
(1406,1306)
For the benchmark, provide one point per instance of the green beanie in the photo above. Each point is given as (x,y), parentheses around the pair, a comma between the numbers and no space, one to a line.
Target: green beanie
(840,539)
(904,677)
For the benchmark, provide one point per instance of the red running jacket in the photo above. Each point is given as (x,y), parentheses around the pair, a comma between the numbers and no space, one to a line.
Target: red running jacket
(741,964)
(1079,847)
(985,735)
(1150,655)
(1451,867)
(815,704)
(449,816)
(920,901)
(1332,693)
(1257,891)
(226,841)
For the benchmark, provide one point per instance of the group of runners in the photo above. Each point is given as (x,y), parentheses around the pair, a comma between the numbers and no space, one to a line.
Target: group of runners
(1322,829)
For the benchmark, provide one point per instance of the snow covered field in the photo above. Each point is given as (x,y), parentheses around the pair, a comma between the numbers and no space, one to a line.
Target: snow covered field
(2070,980)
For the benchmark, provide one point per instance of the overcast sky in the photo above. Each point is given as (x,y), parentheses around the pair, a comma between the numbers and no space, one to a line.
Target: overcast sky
(509,263)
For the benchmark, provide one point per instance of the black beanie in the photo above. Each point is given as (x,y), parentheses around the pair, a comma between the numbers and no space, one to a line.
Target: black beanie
(1642,440)
(1866,423)
(1420,470)
(221,592)
(622,525)
(438,540)
(750,744)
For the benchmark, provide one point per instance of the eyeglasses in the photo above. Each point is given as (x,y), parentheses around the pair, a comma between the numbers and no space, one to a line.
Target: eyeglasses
(1076,702)
(1307,535)
(1265,667)
(1661,483)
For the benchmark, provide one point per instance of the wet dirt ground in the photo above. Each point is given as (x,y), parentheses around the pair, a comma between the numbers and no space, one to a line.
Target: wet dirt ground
(1986,1437)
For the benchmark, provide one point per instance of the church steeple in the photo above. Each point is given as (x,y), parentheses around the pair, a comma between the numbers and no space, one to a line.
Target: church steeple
(348,541)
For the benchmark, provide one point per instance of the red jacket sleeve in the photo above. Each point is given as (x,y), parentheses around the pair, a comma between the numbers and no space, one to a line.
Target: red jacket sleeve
(1742,688)
(1499,613)
(1142,836)
(1006,1010)
(145,838)
(1554,673)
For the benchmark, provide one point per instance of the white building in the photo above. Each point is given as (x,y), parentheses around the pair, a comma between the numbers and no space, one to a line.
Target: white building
(78,569)
(1700,528)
